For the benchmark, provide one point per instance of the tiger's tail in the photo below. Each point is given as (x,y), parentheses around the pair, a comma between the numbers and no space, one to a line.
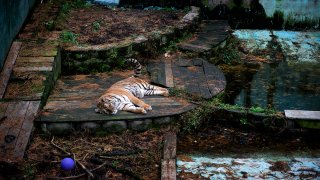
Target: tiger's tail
(137,66)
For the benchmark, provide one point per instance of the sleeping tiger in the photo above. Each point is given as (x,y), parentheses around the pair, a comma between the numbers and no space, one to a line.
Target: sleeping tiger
(124,95)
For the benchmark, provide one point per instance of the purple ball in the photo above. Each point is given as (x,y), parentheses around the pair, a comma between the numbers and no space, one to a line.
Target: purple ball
(67,164)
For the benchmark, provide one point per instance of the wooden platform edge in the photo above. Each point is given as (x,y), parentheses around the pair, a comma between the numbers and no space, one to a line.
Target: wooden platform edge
(8,66)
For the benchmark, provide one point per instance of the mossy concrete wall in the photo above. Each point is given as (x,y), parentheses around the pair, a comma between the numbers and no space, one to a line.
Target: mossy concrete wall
(12,16)
(297,8)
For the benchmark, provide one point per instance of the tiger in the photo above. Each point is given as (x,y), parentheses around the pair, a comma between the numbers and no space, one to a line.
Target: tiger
(124,95)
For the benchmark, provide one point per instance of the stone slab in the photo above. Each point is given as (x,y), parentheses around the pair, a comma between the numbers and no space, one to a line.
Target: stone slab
(302,114)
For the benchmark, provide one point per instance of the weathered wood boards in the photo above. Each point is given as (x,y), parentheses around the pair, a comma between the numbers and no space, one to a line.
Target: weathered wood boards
(168,163)
(211,33)
(8,66)
(196,76)
(15,128)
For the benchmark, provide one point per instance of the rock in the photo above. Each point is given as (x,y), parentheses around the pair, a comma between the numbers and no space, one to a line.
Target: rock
(140,39)
(90,126)
(140,125)
(59,128)
(115,126)
(163,120)
(191,16)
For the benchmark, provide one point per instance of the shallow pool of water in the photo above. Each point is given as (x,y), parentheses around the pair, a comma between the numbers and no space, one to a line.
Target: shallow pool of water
(280,85)
(289,82)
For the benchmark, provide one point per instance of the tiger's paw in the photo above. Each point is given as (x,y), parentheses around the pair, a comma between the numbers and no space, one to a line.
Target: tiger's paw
(143,111)
(165,92)
(147,107)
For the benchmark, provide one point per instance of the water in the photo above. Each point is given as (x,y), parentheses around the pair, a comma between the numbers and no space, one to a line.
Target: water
(280,86)
(297,8)
(289,82)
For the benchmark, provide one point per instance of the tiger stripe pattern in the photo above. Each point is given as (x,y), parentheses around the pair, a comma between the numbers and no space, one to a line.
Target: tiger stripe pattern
(124,95)
(137,66)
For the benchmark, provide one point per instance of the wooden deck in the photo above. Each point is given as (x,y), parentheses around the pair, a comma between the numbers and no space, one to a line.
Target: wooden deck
(196,76)
(74,100)
(211,33)
(25,82)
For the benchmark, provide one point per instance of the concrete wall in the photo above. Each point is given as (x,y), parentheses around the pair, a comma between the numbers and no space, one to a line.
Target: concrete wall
(297,8)
(12,16)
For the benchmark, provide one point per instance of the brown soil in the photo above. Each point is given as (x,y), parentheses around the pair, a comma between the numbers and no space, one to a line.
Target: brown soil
(95,24)
(116,25)
(136,153)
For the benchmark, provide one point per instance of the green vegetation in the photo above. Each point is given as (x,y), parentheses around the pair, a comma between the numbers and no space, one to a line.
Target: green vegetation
(68,37)
(96,26)
(29,171)
(193,119)
(228,53)
(257,109)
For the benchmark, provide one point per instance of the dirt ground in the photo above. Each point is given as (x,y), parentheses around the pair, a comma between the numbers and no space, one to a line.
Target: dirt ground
(129,155)
(93,24)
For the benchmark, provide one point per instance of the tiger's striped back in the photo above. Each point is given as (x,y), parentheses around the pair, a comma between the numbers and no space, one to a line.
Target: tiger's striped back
(137,66)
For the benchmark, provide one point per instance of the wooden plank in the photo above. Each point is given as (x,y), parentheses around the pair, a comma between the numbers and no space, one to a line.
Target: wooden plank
(25,131)
(302,114)
(8,66)
(15,120)
(168,169)
(6,122)
(35,59)
(168,75)
(170,146)
(26,69)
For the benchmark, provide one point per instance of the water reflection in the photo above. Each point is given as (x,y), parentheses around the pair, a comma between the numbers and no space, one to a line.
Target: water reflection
(277,85)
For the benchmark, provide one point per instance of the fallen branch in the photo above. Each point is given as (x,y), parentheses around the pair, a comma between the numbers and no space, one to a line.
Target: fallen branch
(69,154)
(120,153)
(80,175)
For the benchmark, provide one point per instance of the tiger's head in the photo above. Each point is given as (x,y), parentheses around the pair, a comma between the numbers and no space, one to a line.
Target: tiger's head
(106,106)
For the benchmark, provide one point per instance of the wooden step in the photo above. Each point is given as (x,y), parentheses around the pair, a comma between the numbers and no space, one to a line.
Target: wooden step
(211,34)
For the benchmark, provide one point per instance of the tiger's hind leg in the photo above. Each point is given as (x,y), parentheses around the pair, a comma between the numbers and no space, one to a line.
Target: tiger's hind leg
(156,90)
(130,107)
(139,102)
